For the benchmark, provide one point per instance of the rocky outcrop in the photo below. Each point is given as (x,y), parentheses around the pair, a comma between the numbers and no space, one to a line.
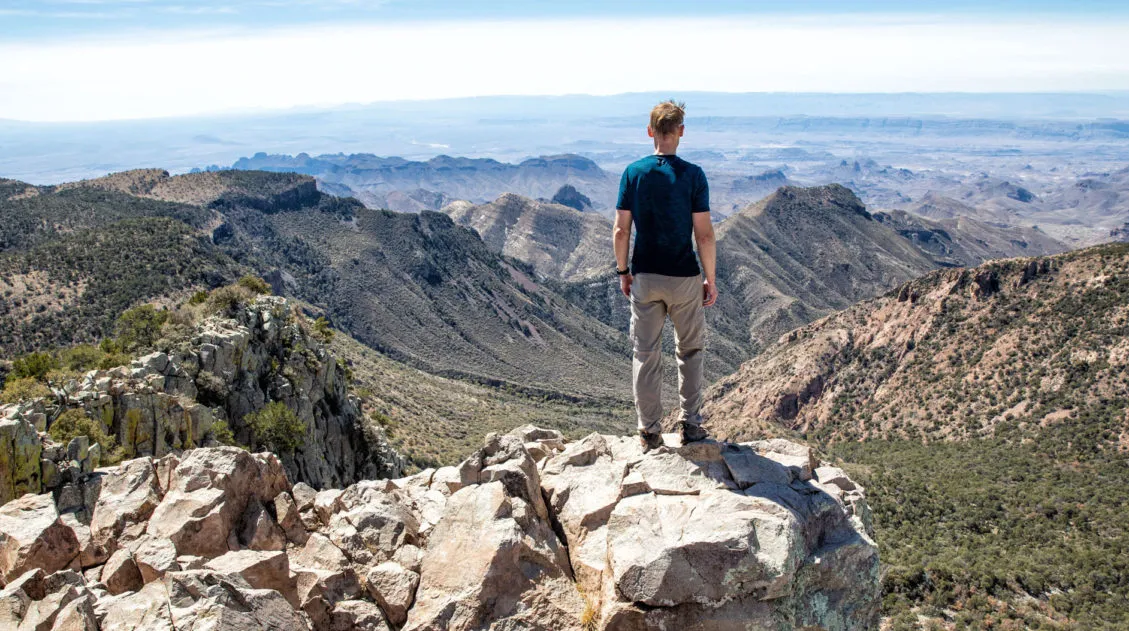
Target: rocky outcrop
(531,532)
(166,403)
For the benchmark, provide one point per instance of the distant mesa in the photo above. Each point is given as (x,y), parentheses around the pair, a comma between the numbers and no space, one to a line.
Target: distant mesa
(407,185)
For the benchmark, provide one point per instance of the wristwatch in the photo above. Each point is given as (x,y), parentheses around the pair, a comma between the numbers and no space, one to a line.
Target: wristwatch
(622,272)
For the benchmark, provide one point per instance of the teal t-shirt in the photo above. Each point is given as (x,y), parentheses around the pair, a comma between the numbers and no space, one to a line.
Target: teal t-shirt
(662,193)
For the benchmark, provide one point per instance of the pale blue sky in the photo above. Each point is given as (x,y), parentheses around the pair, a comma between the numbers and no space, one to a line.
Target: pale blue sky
(25,19)
(114,59)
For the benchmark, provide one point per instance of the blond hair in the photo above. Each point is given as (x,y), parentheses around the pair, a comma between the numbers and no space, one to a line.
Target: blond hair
(667,116)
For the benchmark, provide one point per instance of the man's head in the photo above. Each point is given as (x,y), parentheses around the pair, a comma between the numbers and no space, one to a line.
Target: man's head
(666,120)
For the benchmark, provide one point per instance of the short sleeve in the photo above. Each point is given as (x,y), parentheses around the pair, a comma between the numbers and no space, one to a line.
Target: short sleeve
(701,200)
(626,199)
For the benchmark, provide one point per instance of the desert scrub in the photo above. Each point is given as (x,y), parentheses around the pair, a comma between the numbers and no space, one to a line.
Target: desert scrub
(254,284)
(227,301)
(74,423)
(23,389)
(34,365)
(276,426)
(140,327)
(221,432)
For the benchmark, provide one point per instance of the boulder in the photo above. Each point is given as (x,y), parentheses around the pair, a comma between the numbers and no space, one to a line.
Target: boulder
(393,587)
(77,615)
(261,570)
(32,536)
(121,574)
(710,536)
(493,556)
(202,599)
(259,531)
(128,495)
(357,615)
(286,512)
(372,523)
(154,557)
(208,494)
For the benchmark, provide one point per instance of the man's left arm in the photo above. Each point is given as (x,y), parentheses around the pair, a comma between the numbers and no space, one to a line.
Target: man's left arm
(703,235)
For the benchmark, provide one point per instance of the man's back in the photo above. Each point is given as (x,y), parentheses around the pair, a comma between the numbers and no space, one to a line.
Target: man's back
(662,192)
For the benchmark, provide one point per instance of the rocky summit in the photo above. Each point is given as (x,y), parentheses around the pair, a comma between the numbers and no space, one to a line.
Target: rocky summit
(531,532)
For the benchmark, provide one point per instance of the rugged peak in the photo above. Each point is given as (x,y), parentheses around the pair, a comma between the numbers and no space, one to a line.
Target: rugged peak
(831,197)
(567,195)
(531,531)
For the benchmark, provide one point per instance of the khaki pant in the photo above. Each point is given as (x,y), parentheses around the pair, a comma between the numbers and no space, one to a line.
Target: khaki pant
(653,298)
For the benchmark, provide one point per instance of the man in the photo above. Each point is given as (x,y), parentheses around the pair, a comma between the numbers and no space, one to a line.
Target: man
(667,200)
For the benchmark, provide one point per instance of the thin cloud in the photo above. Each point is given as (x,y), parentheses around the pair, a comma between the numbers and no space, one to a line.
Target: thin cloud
(177,73)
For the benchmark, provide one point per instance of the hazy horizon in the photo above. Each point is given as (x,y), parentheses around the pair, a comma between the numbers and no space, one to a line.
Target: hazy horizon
(95,60)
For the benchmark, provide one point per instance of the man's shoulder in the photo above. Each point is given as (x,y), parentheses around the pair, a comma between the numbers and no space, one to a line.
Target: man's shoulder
(642,164)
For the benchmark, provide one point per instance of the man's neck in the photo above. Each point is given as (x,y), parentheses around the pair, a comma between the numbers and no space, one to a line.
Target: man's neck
(666,146)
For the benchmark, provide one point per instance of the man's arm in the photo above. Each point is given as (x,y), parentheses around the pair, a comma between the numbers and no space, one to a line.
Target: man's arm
(621,238)
(707,252)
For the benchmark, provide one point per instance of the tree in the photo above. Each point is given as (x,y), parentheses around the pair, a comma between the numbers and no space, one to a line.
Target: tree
(276,426)
(140,327)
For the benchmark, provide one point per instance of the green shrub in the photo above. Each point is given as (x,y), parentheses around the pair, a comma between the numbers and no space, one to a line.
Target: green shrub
(222,433)
(22,389)
(323,330)
(254,284)
(277,427)
(81,358)
(34,365)
(140,327)
(74,422)
(227,301)
(198,298)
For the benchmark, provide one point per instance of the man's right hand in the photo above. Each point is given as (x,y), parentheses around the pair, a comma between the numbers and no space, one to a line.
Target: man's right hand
(625,281)
(709,293)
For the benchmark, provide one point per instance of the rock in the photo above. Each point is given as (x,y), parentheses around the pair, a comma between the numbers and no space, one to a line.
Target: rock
(286,511)
(393,588)
(80,497)
(372,523)
(835,476)
(18,596)
(60,590)
(357,615)
(493,556)
(208,494)
(319,553)
(261,570)
(129,493)
(202,599)
(260,532)
(709,535)
(701,536)
(326,503)
(800,458)
(319,590)
(77,615)
(120,573)
(155,557)
(304,496)
(33,536)
(20,449)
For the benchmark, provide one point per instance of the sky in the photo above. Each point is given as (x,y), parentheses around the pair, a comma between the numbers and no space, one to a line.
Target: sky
(84,60)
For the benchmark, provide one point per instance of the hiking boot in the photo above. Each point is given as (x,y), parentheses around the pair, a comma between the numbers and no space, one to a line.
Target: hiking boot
(650,441)
(691,433)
